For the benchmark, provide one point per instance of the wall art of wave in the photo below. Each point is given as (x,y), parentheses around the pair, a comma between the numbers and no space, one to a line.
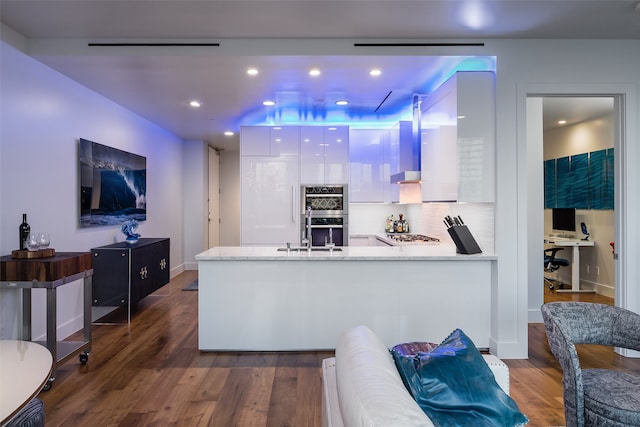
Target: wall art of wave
(112,185)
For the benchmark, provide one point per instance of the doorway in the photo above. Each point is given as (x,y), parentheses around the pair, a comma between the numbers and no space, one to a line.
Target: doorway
(578,156)
(598,270)
(214,198)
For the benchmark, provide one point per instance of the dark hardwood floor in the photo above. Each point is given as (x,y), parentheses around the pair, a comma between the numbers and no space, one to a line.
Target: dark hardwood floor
(152,374)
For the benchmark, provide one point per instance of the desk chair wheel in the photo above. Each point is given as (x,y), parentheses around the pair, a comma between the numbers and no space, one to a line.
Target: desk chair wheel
(84,358)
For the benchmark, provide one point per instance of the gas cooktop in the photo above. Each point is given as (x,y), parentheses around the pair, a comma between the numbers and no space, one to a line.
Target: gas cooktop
(412,238)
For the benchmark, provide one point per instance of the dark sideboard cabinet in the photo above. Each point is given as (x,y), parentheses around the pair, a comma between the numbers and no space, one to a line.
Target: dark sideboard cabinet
(142,267)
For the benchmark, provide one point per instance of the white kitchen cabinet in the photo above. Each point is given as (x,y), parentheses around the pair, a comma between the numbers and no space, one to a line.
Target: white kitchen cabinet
(458,139)
(255,141)
(439,174)
(359,241)
(369,174)
(284,140)
(312,155)
(270,191)
(269,140)
(324,155)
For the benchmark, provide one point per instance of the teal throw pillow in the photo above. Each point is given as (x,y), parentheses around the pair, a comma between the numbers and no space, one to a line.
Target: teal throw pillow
(454,385)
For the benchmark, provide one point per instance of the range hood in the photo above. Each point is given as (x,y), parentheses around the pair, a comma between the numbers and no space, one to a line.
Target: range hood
(409,145)
(406,177)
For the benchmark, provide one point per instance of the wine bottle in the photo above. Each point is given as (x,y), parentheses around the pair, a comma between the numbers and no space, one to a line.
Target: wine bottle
(25,229)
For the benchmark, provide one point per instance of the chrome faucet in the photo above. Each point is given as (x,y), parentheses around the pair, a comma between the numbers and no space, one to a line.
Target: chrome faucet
(309,238)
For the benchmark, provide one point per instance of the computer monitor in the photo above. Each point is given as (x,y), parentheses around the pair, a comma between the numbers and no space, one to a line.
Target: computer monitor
(564,219)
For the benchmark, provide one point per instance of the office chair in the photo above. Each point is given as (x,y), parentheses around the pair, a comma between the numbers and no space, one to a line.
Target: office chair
(552,263)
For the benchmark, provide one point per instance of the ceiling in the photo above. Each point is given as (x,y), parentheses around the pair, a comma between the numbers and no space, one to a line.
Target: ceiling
(157,82)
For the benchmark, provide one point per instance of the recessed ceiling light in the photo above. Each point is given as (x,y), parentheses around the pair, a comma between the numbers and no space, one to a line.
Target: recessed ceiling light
(342,102)
(228,133)
(194,104)
(562,122)
(375,72)
(314,72)
(268,103)
(252,71)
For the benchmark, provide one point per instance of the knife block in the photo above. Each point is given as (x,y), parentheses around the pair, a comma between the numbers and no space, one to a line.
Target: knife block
(465,243)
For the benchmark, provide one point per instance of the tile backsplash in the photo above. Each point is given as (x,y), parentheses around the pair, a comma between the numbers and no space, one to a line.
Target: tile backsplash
(426,218)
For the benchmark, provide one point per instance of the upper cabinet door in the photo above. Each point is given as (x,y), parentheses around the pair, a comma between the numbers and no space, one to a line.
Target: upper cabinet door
(255,141)
(285,140)
(476,136)
(439,177)
(336,155)
(269,140)
(324,155)
(458,139)
(311,155)
(369,173)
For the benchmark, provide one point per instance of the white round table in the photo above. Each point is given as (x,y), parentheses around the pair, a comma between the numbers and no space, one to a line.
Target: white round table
(24,369)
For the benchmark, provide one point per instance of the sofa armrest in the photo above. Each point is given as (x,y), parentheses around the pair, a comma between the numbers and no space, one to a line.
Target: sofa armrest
(500,371)
(370,390)
(331,416)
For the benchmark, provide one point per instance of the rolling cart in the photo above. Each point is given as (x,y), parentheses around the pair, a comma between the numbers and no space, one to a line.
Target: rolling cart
(50,273)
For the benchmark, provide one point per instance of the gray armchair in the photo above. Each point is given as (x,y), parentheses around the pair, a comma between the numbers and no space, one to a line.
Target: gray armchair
(594,397)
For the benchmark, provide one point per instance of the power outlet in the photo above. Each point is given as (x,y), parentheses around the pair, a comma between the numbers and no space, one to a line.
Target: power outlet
(587,268)
(597,270)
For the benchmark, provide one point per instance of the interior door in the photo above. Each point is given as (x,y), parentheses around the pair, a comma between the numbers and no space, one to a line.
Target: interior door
(214,198)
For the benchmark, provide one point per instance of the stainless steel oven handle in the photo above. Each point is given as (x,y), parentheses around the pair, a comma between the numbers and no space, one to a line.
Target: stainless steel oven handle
(327,226)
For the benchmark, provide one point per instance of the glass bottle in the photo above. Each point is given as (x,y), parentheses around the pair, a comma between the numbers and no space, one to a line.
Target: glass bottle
(24,230)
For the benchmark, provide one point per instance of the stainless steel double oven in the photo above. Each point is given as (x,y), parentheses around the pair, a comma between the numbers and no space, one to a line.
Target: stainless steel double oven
(329,215)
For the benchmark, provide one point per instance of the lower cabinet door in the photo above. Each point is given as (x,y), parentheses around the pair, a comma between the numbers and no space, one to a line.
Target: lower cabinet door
(141,273)
(110,284)
(160,264)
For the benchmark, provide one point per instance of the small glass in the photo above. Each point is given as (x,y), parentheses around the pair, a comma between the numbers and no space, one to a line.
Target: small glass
(44,240)
(32,242)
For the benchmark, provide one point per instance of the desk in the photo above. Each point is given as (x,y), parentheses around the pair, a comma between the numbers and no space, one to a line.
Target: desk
(25,368)
(50,273)
(576,244)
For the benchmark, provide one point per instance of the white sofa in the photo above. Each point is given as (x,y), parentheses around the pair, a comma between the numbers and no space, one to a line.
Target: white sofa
(362,387)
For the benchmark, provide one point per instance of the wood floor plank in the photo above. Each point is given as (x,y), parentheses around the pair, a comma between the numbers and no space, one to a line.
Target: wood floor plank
(152,374)
(282,408)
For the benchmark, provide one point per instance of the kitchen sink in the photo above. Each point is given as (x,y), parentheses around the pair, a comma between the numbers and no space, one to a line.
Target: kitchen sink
(313,249)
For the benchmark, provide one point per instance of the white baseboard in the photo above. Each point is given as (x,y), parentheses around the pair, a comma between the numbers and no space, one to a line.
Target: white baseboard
(534,316)
(65,330)
(191,265)
(176,271)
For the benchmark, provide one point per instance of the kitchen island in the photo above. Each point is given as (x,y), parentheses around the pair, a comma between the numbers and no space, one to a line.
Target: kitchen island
(262,298)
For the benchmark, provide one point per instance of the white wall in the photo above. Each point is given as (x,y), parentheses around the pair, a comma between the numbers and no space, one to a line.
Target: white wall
(540,67)
(43,116)
(591,135)
(195,195)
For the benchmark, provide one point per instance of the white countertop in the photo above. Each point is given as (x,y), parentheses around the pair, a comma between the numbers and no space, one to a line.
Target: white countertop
(442,252)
